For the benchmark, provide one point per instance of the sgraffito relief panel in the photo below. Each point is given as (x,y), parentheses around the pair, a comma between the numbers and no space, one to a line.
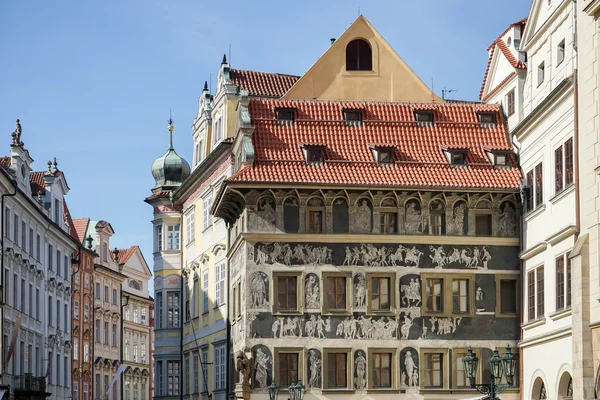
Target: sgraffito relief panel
(259,290)
(263,366)
(314,363)
(312,296)
(409,368)
(485,293)
(359,284)
(379,255)
(360,370)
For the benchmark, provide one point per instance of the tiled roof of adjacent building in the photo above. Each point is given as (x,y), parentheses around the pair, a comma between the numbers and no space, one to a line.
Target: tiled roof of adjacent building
(125,254)
(263,84)
(418,155)
(80,226)
(36,178)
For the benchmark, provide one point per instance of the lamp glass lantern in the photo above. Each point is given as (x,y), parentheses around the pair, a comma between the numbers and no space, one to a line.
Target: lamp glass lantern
(509,361)
(496,366)
(299,390)
(273,390)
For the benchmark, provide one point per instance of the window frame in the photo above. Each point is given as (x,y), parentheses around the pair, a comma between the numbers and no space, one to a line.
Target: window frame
(299,293)
(393,352)
(285,112)
(348,115)
(455,356)
(423,353)
(560,52)
(391,293)
(447,295)
(487,119)
(541,73)
(325,368)
(325,306)
(277,352)
(510,103)
(566,283)
(499,280)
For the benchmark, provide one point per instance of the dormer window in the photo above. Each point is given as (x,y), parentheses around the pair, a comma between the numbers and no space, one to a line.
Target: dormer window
(285,116)
(456,157)
(383,156)
(359,56)
(487,119)
(498,158)
(424,118)
(313,154)
(352,116)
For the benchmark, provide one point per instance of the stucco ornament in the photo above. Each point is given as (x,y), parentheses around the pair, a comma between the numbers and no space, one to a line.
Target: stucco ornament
(287,327)
(258,289)
(367,328)
(438,256)
(261,368)
(311,288)
(459,218)
(244,366)
(314,361)
(267,217)
(360,363)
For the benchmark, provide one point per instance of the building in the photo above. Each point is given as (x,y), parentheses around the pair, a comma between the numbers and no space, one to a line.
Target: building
(36,276)
(544,130)
(585,282)
(373,232)
(138,310)
(169,171)
(82,312)
(107,278)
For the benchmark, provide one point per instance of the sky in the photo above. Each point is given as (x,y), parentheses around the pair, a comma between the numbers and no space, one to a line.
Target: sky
(93,81)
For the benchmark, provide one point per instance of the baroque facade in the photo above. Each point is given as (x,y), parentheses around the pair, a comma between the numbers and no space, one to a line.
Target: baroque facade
(371,242)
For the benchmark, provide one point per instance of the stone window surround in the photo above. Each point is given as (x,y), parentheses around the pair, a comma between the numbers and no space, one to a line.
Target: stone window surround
(445,366)
(299,292)
(349,370)
(300,351)
(392,293)
(348,276)
(499,279)
(478,373)
(394,367)
(447,299)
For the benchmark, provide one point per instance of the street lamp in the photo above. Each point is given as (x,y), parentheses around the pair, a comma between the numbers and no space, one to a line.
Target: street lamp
(295,391)
(499,366)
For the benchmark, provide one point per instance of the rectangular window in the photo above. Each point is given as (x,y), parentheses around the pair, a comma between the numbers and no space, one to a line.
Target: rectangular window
(352,117)
(190,227)
(530,185)
(487,119)
(196,373)
(560,52)
(23,235)
(287,293)
(85,391)
(50,251)
(204,365)
(38,248)
(288,368)
(86,352)
(220,284)
(510,102)
(30,302)
(159,313)
(206,217)
(159,238)
(380,294)
(337,370)
(172,378)
(114,335)
(239,299)
(220,364)
(381,370)
(434,295)
(568,296)
(560,282)
(50,307)
(31,242)
(205,292)
(106,333)
(436,220)
(531,295)
(97,291)
(114,296)
(285,116)
(106,294)
(186,374)
(97,330)
(460,295)
(173,237)
(315,221)
(86,313)
(460,378)
(569,161)
(336,293)
(483,224)
(424,118)
(6,221)
(172,309)
(509,293)
(218,133)
(16,229)
(540,291)
(37,303)
(67,267)
(540,74)
(58,262)
(65,372)
(22,295)
(558,169)
(388,222)
(433,370)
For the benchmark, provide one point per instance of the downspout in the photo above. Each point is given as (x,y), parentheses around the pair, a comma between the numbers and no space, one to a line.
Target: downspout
(2,266)
(228,326)
(93,329)
(181,308)
(576,125)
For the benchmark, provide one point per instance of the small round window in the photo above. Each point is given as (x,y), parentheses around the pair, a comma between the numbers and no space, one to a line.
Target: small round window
(508,41)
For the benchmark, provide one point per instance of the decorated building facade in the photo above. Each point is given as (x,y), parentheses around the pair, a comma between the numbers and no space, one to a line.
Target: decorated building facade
(373,232)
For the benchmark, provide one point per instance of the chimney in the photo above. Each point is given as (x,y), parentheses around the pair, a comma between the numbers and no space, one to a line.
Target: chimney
(332,40)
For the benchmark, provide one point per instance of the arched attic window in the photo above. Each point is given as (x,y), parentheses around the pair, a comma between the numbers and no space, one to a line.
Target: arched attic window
(359,56)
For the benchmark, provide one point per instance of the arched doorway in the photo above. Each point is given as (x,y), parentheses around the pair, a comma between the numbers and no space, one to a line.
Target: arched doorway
(565,387)
(539,390)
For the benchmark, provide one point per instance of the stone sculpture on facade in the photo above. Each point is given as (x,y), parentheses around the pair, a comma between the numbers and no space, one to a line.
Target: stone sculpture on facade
(261,368)
(360,363)
(314,362)
(259,283)
(244,366)
(312,295)
(410,377)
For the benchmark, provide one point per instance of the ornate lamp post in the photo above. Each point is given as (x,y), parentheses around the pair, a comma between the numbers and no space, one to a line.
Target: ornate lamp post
(500,367)
(295,391)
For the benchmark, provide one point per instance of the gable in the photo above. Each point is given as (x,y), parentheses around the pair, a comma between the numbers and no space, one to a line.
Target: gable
(390,78)
(539,13)
(134,261)
(499,69)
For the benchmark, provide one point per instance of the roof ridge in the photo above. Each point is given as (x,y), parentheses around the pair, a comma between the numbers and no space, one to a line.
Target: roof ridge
(265,72)
(450,103)
(521,21)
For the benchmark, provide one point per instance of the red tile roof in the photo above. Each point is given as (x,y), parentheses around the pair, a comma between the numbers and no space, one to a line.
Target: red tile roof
(157,195)
(498,86)
(36,178)
(80,226)
(125,254)
(419,160)
(263,84)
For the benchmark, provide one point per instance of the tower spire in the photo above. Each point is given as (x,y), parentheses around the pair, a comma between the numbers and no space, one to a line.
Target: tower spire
(171,128)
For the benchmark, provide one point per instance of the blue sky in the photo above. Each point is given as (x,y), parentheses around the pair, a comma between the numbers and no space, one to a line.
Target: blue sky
(93,81)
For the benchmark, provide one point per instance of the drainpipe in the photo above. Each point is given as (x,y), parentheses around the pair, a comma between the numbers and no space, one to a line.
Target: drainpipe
(228,326)
(576,125)
(2,233)
(181,308)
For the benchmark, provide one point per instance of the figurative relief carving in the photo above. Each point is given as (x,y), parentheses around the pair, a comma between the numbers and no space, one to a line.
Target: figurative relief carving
(258,292)
(458,224)
(267,217)
(409,317)
(367,328)
(445,326)
(363,218)
(411,293)
(244,366)
(507,225)
(311,288)
(470,258)
(261,368)
(287,327)
(410,375)
(282,253)
(369,255)
(360,291)
(316,327)
(412,219)
(360,362)
(314,365)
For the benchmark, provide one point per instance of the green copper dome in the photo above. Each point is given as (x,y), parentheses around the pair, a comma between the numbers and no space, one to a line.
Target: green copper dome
(170,170)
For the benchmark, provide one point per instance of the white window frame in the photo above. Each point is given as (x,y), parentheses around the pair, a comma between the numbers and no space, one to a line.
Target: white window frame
(220,360)
(174,237)
(206,217)
(205,291)
(190,225)
(220,270)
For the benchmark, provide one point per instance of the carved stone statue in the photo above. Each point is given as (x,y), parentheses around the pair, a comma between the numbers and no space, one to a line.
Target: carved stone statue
(363,217)
(244,366)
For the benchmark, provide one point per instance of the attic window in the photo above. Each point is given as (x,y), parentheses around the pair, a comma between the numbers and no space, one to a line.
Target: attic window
(487,119)
(313,154)
(424,118)
(285,116)
(456,156)
(498,158)
(383,156)
(359,56)
(352,117)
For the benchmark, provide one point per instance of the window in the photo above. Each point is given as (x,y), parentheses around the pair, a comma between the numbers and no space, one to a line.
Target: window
(288,368)
(106,293)
(563,282)
(313,155)
(315,221)
(450,294)
(569,161)
(336,367)
(186,375)
(460,295)
(104,251)
(75,349)
(23,296)
(204,365)
(385,157)
(23,235)
(220,284)
(196,372)
(218,132)
(540,291)
(173,237)
(531,295)
(558,169)
(172,309)
(535,293)
(352,117)
(86,312)
(38,248)
(507,295)
(459,377)
(291,215)
(287,293)
(434,295)
(86,352)
(143,316)
(540,73)
(114,335)
(483,224)
(437,218)
(510,102)
(159,313)
(206,217)
(85,391)
(205,292)
(97,291)
(424,118)
(285,116)
(76,390)
(220,364)
(50,251)
(16,229)
(359,56)
(67,266)
(143,352)
(568,283)
(58,261)
(106,333)
(388,222)
(114,296)
(335,290)
(487,119)
(159,378)
(563,168)
(560,52)
(381,369)
(30,304)
(433,370)
(458,157)
(65,372)
(97,330)
(172,378)
(381,293)
(340,218)
(190,226)
(7,221)
(159,241)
